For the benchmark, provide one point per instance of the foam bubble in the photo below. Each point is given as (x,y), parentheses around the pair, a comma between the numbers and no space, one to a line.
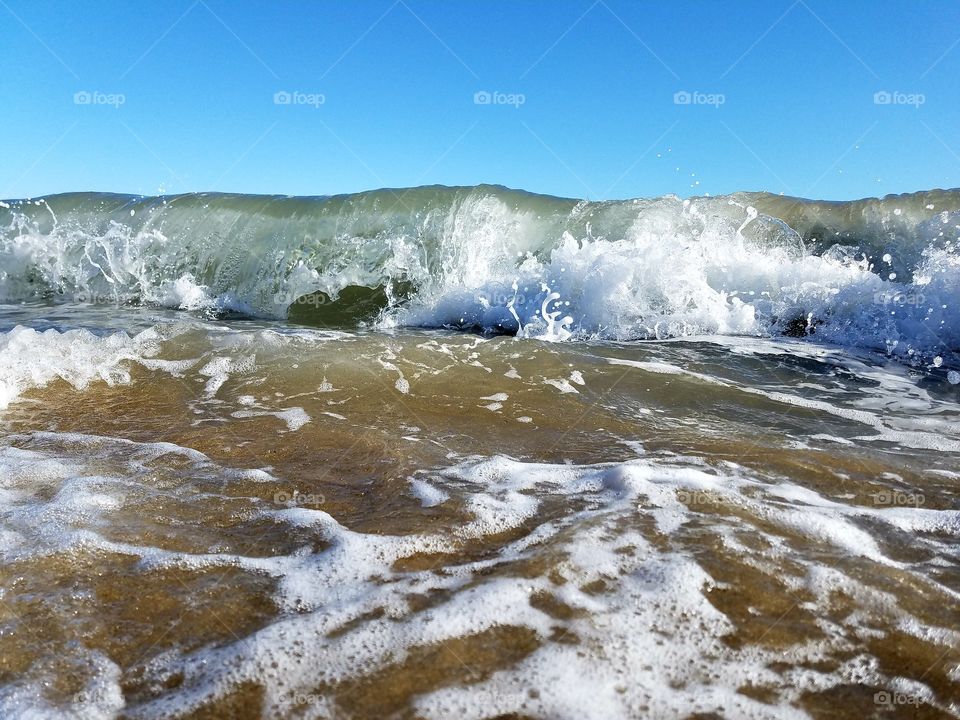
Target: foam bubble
(620,617)
(31,359)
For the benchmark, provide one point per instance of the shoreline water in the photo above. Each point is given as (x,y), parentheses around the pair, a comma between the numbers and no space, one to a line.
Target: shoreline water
(355,513)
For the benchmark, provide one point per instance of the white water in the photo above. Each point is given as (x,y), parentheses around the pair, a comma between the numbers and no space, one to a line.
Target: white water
(656,269)
(654,618)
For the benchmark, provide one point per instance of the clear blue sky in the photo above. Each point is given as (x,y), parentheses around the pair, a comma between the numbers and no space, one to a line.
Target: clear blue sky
(398,80)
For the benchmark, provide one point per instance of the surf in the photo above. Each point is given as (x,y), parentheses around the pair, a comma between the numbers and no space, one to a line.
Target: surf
(881,273)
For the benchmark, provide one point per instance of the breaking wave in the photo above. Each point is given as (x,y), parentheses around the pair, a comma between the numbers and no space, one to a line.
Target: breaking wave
(876,273)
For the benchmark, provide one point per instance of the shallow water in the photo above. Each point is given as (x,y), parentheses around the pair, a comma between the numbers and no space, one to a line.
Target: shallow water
(256,519)
(711,469)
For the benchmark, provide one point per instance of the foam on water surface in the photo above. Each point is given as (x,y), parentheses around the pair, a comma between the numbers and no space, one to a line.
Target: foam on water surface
(33,359)
(547,529)
(619,621)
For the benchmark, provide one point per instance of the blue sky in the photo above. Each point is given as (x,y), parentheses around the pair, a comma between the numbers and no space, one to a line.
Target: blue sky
(182,96)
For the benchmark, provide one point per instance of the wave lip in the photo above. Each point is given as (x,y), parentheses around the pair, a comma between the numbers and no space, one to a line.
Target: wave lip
(878,273)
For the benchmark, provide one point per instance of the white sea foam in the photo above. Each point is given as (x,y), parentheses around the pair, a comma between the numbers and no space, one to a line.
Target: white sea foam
(30,359)
(687,274)
(429,495)
(651,643)
(554,270)
(294,418)
(623,525)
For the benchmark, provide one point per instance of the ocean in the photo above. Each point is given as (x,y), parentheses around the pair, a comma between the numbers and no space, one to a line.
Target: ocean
(479,453)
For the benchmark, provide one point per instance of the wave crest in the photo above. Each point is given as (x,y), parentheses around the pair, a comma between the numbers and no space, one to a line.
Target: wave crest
(879,273)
